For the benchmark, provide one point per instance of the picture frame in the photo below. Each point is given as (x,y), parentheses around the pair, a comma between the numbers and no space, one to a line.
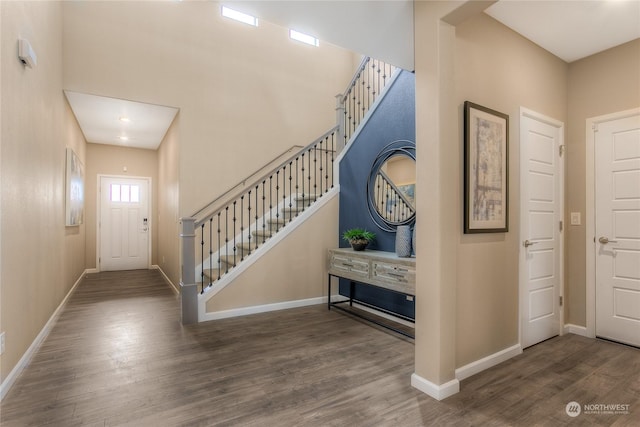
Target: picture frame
(74,194)
(486,170)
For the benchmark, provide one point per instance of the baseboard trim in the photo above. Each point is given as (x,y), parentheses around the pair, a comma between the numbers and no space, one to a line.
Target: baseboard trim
(438,392)
(245,311)
(577,330)
(166,278)
(28,355)
(91,270)
(487,362)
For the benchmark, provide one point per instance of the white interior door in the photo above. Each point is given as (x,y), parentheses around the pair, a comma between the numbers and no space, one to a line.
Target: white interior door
(124,223)
(541,169)
(617,200)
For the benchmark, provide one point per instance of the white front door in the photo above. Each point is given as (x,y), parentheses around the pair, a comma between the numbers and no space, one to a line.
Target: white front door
(124,223)
(617,222)
(541,169)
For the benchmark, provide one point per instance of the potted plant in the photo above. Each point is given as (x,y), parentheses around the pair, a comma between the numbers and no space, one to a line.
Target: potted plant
(358,238)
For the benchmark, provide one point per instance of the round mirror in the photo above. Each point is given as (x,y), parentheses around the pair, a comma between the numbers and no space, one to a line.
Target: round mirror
(391,186)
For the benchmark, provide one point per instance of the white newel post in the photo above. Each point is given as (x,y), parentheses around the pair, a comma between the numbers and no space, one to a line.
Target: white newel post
(188,286)
(340,121)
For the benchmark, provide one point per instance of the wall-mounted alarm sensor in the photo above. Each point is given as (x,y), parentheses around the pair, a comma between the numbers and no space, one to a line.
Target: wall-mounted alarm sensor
(26,54)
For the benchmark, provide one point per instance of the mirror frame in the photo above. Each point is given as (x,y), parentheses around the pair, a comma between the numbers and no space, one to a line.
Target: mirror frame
(399,147)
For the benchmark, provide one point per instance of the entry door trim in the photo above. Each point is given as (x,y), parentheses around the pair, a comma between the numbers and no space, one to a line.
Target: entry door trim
(525,112)
(99,213)
(590,213)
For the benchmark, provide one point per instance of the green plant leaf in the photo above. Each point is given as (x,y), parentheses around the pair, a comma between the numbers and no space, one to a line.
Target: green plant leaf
(358,234)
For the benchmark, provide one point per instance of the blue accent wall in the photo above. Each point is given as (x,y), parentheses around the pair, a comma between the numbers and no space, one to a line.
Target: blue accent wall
(394,119)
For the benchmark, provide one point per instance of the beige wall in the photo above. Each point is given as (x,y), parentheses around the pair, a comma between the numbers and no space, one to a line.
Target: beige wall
(41,258)
(499,69)
(294,269)
(467,285)
(168,190)
(435,228)
(600,84)
(245,93)
(112,160)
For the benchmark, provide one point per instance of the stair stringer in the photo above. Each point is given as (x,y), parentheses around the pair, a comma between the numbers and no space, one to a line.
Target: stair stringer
(258,253)
(227,249)
(367,116)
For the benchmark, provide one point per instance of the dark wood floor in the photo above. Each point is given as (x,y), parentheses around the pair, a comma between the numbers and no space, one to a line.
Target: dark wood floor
(119,356)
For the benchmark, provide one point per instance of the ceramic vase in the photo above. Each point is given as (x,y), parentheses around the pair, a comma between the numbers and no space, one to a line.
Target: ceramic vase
(403,241)
(413,240)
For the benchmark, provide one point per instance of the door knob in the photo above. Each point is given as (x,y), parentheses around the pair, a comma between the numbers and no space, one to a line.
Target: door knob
(527,243)
(605,240)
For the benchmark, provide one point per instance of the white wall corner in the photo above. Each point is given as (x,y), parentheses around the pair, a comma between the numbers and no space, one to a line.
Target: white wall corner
(490,361)
(577,330)
(438,392)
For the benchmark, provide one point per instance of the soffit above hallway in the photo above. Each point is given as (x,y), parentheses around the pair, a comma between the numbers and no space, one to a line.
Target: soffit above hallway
(102,120)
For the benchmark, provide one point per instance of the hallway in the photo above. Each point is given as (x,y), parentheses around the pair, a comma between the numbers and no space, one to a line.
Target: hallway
(119,356)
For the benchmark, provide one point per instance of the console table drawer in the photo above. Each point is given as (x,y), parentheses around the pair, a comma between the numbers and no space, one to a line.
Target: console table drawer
(377,279)
(398,277)
(382,269)
(345,264)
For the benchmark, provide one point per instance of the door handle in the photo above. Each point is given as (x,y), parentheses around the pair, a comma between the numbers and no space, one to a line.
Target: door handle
(605,240)
(527,243)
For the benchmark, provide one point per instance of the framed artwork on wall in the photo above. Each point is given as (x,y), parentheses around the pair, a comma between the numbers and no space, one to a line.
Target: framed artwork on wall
(486,170)
(74,194)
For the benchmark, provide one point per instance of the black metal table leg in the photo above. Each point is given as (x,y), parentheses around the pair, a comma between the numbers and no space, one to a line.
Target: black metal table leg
(352,286)
(329,292)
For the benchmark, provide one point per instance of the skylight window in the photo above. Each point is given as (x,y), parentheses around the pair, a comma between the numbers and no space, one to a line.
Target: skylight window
(304,38)
(239,16)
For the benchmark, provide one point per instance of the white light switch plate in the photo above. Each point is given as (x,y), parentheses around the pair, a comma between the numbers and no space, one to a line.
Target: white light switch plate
(575,218)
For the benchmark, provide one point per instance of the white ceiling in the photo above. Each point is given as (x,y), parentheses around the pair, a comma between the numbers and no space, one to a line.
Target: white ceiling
(101,120)
(570,30)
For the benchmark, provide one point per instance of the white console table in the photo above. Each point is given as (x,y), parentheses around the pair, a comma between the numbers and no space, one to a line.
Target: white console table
(376,268)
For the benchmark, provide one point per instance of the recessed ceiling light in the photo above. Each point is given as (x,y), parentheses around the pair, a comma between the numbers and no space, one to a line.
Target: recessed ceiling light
(239,16)
(124,119)
(123,138)
(304,38)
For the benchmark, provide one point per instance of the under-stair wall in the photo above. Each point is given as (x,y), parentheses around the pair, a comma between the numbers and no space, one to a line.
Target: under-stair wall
(283,277)
(392,120)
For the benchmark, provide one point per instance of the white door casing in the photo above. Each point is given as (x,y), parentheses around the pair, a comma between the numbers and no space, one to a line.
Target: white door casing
(617,229)
(124,223)
(541,214)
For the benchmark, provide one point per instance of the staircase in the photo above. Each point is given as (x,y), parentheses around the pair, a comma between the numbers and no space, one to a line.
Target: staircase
(215,245)
(259,236)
